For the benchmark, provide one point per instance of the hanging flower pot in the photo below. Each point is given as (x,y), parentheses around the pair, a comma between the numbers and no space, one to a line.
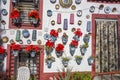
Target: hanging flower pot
(48,50)
(78,59)
(83,49)
(54,35)
(72,50)
(73,45)
(64,38)
(49,47)
(65,61)
(49,60)
(53,39)
(32,53)
(90,60)
(34,15)
(35,22)
(76,37)
(86,38)
(59,50)
(59,54)
(15,49)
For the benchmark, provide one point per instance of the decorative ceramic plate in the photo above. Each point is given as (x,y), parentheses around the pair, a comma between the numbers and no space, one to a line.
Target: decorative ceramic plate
(79,13)
(4,12)
(46,36)
(92,9)
(5,39)
(25,33)
(107,10)
(52,1)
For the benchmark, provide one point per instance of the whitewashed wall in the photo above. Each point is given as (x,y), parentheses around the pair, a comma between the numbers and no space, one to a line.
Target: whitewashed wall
(65,13)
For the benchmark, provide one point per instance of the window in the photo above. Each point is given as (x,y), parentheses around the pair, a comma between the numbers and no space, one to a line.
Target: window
(23,58)
(105,41)
(23,20)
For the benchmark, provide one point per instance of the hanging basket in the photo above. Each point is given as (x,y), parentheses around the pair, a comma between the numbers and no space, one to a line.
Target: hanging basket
(76,37)
(83,50)
(65,63)
(90,61)
(49,63)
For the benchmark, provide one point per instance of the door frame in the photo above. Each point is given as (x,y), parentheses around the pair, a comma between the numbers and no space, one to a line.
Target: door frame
(104,16)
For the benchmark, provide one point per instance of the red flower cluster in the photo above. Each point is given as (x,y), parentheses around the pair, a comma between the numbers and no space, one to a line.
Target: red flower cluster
(78,32)
(34,14)
(74,43)
(49,44)
(54,33)
(15,14)
(15,46)
(59,47)
(32,47)
(2,50)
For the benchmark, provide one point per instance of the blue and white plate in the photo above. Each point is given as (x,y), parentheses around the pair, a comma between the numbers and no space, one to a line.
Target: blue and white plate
(4,12)
(52,1)
(46,36)
(107,10)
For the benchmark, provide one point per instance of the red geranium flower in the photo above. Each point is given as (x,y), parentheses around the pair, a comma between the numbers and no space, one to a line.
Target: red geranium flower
(34,14)
(15,46)
(78,32)
(2,50)
(35,48)
(54,33)
(15,14)
(49,44)
(28,48)
(74,43)
(59,47)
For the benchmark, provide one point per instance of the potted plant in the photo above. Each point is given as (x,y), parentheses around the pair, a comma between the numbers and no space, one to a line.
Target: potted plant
(53,35)
(86,38)
(64,38)
(34,16)
(78,59)
(59,50)
(90,60)
(49,47)
(15,15)
(49,60)
(15,48)
(83,48)
(65,61)
(77,35)
(32,49)
(73,45)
